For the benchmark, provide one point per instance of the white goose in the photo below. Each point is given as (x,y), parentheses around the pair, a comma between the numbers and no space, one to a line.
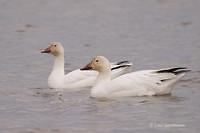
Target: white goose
(139,83)
(76,79)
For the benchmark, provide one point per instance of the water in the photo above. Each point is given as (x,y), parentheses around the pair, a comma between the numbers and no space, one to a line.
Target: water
(153,34)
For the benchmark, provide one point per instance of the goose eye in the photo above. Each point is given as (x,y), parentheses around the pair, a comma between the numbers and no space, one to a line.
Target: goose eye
(55,45)
(97,60)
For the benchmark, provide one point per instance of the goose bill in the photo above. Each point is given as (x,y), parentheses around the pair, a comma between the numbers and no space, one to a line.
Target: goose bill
(46,50)
(87,67)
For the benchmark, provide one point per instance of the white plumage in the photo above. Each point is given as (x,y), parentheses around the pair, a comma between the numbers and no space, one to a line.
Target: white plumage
(76,79)
(139,83)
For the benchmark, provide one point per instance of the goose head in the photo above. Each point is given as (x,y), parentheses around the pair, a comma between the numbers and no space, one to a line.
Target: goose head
(98,63)
(55,48)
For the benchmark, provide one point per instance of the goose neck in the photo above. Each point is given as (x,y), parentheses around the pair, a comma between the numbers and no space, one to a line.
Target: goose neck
(59,64)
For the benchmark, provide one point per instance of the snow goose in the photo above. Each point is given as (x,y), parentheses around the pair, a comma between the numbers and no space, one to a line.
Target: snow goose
(76,79)
(139,83)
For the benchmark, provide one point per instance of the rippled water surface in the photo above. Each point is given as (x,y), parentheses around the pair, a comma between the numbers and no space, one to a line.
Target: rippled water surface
(153,34)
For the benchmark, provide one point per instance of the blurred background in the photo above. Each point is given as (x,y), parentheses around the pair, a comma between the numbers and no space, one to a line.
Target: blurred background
(152,34)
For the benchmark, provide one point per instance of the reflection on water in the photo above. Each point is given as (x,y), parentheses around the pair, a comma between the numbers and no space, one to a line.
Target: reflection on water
(153,34)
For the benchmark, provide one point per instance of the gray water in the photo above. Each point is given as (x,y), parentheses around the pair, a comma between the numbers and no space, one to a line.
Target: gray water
(152,34)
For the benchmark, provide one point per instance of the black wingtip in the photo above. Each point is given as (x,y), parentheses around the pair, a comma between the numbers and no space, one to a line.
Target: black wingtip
(175,70)
(121,62)
(120,67)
